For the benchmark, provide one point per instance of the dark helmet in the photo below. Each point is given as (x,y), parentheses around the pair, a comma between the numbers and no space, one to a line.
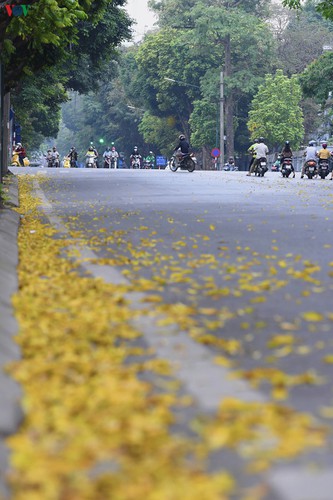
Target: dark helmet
(261,139)
(256,140)
(54,148)
(287,143)
(73,148)
(135,148)
(181,137)
(312,143)
(324,145)
(91,148)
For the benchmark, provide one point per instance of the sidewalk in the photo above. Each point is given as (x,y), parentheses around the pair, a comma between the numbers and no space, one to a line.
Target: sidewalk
(10,392)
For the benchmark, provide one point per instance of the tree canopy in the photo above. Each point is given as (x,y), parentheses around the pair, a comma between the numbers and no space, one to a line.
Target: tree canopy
(276,113)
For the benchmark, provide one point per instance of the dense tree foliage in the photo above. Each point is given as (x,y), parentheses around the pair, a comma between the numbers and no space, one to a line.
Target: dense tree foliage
(276,113)
(68,48)
(323,7)
(169,83)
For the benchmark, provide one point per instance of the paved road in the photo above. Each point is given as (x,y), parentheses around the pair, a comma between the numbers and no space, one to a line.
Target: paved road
(257,251)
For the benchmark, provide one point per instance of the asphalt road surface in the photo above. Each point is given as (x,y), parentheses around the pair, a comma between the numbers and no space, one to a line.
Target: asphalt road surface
(249,260)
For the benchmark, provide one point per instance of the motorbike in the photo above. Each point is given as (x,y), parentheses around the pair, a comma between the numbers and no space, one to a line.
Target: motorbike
(15,159)
(310,168)
(286,167)
(107,162)
(53,161)
(148,164)
(261,167)
(323,168)
(67,162)
(113,162)
(186,162)
(135,163)
(91,161)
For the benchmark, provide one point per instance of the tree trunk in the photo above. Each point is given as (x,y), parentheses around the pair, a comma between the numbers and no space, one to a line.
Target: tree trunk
(6,143)
(229,101)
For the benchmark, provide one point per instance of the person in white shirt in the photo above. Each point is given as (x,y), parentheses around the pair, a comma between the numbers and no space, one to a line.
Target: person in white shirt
(310,153)
(261,151)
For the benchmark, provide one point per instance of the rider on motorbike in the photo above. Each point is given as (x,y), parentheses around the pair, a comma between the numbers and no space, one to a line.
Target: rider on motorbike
(150,160)
(261,151)
(324,154)
(21,153)
(72,155)
(310,153)
(287,153)
(114,156)
(135,155)
(252,151)
(91,153)
(55,157)
(182,148)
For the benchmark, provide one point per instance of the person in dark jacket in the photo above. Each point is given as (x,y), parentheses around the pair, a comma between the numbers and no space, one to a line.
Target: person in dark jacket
(182,148)
(287,153)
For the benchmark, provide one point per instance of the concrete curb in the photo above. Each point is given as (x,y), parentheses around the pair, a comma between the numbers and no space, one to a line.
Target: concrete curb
(10,392)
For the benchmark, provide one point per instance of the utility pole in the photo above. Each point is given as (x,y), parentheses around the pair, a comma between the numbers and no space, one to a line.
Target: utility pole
(2,125)
(221,120)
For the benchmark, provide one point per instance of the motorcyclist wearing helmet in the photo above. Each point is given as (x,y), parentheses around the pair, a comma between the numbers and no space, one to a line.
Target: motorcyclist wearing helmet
(150,160)
(251,150)
(112,156)
(135,156)
(55,157)
(310,153)
(183,148)
(72,155)
(261,151)
(91,153)
(324,154)
(287,153)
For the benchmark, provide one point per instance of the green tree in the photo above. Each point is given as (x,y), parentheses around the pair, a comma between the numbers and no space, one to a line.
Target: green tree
(276,113)
(42,62)
(324,7)
(218,34)
(56,31)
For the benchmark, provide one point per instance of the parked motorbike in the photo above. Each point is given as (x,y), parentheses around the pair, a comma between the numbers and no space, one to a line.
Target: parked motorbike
(310,168)
(286,167)
(323,168)
(261,167)
(186,162)
(91,161)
